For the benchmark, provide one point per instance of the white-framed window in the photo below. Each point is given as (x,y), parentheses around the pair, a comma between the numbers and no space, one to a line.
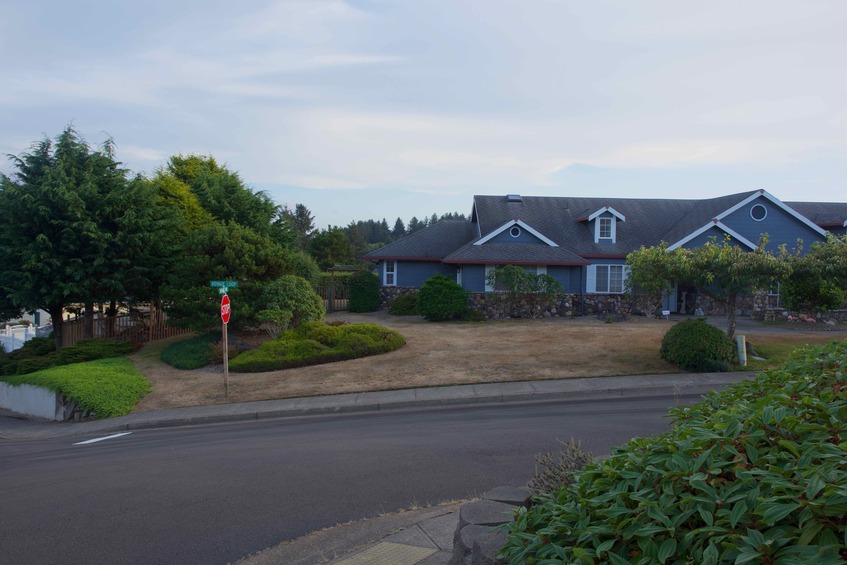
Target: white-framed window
(390,278)
(606,279)
(605,228)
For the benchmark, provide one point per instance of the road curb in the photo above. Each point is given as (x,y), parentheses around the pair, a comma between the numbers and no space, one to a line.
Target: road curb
(489,393)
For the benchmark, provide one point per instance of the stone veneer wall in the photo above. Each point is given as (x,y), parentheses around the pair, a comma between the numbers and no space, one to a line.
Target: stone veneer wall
(493,305)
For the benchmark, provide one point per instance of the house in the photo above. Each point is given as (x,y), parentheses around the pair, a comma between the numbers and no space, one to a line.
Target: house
(583,242)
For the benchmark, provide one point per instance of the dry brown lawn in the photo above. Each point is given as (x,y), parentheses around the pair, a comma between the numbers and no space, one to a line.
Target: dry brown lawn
(436,355)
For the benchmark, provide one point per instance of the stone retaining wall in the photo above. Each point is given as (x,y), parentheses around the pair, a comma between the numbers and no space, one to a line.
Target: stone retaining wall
(477,541)
(495,305)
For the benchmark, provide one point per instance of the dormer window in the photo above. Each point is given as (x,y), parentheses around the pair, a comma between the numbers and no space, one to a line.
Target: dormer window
(605,224)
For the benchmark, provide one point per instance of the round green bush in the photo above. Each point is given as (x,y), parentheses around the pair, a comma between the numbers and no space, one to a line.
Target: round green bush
(364,292)
(441,299)
(696,346)
(405,304)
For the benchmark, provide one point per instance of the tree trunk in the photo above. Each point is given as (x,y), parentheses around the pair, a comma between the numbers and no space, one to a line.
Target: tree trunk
(58,322)
(730,314)
(111,316)
(88,321)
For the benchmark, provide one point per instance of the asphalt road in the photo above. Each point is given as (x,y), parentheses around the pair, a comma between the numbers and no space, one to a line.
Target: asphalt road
(215,494)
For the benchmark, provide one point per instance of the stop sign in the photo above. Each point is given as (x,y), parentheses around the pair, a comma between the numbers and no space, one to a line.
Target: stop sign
(225,308)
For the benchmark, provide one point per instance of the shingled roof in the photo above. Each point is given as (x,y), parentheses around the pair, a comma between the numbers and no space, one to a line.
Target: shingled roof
(564,221)
(433,242)
(823,214)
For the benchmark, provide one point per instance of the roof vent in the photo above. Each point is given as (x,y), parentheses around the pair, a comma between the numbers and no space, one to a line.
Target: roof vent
(513,198)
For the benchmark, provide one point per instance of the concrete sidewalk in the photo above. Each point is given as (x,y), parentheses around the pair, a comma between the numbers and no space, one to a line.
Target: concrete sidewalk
(17,428)
(413,537)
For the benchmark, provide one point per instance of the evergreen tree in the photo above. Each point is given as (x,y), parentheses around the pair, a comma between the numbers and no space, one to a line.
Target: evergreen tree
(399,229)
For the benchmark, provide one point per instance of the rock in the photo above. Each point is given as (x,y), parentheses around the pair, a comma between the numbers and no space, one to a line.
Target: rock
(516,496)
(485,513)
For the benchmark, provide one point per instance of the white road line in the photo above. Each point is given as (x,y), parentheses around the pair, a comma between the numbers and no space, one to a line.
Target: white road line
(95,440)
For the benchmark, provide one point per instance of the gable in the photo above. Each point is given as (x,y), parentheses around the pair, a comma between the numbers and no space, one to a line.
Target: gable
(763,216)
(719,232)
(514,229)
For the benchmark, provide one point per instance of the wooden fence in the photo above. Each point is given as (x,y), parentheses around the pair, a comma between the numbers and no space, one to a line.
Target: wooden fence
(335,297)
(139,327)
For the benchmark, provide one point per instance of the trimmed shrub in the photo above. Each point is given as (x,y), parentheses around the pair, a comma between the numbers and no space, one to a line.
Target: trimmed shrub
(696,346)
(316,343)
(364,292)
(322,333)
(93,349)
(288,302)
(404,305)
(36,347)
(40,353)
(191,353)
(753,474)
(302,264)
(33,364)
(441,299)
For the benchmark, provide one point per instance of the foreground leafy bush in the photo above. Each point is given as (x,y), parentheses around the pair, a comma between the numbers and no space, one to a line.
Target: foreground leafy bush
(441,299)
(696,346)
(405,304)
(191,353)
(755,474)
(364,292)
(314,343)
(107,387)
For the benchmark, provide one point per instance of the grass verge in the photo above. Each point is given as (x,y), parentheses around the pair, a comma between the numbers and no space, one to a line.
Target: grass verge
(107,387)
(777,349)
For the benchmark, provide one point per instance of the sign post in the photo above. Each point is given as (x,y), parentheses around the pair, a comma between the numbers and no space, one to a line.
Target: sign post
(225,310)
(223,287)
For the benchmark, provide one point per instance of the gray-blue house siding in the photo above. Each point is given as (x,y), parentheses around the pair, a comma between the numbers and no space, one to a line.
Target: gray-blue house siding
(564,236)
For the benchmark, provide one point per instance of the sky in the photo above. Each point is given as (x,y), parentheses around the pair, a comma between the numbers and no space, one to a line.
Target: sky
(371,109)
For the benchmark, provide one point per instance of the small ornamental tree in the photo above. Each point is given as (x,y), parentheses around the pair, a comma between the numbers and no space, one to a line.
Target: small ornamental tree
(818,281)
(364,292)
(522,286)
(654,269)
(441,299)
(723,270)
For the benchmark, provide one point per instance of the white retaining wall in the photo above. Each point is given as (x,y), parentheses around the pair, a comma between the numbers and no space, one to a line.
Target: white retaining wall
(32,401)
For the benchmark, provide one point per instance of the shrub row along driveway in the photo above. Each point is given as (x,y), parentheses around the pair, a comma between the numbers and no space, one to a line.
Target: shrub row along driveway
(435,354)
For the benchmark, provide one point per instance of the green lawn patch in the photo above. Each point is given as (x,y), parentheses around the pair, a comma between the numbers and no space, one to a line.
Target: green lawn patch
(191,353)
(107,387)
(315,343)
